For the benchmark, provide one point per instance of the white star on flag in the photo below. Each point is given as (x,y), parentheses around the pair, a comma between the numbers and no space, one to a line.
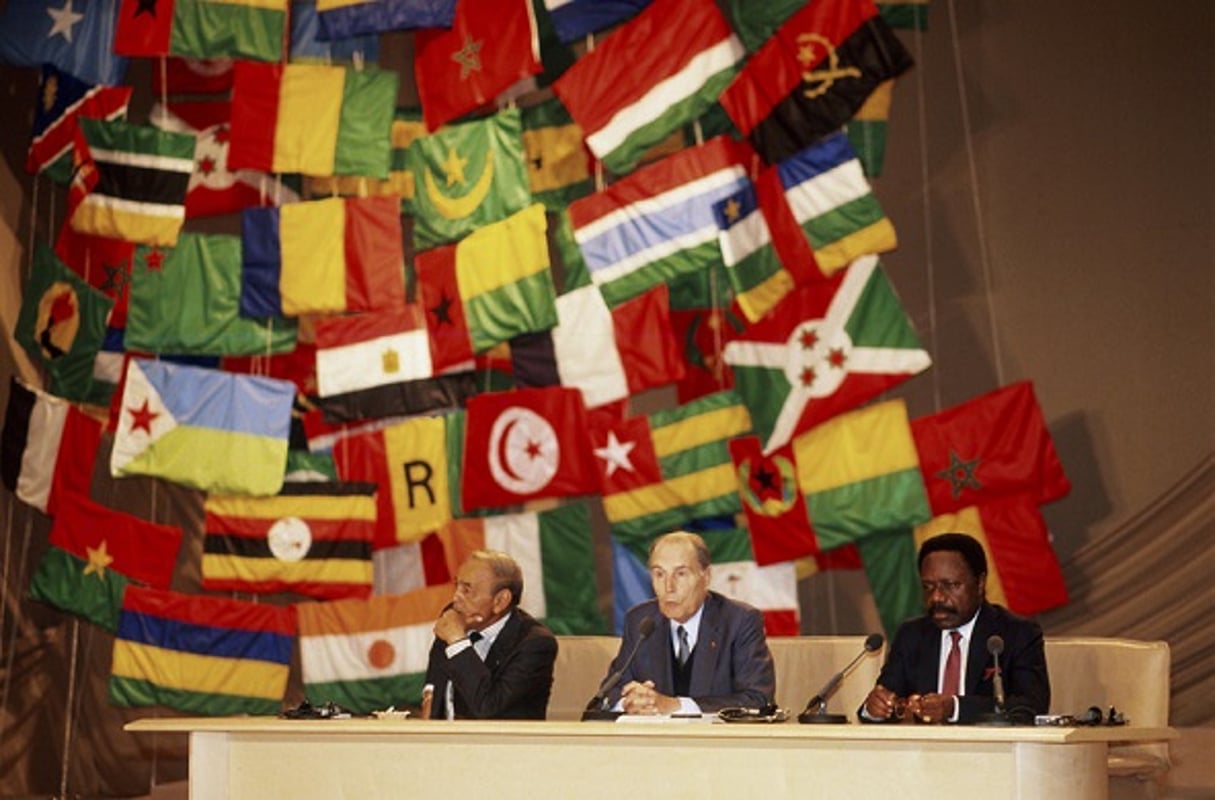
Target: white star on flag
(64,18)
(616,454)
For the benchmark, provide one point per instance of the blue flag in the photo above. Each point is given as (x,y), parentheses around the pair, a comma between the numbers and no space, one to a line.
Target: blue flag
(307,46)
(74,35)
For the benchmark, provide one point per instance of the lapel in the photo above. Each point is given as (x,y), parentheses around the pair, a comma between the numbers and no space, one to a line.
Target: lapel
(978,660)
(505,642)
(708,647)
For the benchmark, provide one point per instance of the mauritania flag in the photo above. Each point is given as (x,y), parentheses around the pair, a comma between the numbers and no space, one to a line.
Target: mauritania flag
(312,538)
(658,223)
(143,174)
(191,425)
(672,466)
(658,72)
(466,176)
(827,348)
(367,655)
(201,655)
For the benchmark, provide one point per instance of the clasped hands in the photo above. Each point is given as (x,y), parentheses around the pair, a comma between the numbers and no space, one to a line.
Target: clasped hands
(640,697)
(929,708)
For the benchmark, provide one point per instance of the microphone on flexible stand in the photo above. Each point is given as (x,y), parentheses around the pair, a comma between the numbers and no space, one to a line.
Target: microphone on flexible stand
(819,715)
(597,708)
(999,717)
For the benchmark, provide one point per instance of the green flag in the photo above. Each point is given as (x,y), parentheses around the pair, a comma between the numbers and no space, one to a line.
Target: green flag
(558,163)
(890,564)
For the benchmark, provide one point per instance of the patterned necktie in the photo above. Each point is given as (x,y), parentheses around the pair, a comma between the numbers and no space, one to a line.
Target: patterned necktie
(684,650)
(952,681)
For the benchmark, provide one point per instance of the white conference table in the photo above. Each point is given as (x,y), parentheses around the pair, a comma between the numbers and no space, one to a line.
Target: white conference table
(264,757)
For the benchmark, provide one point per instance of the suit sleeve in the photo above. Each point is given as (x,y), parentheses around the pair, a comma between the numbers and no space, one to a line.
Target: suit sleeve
(526,672)
(1026,681)
(898,673)
(753,675)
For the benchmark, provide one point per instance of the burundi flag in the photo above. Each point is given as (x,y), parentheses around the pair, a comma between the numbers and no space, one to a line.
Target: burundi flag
(466,176)
(95,552)
(812,75)
(61,325)
(559,167)
(312,538)
(322,256)
(826,348)
(312,119)
(407,125)
(369,654)
(342,18)
(74,35)
(62,100)
(658,223)
(191,425)
(185,300)
(142,175)
(658,72)
(249,29)
(672,466)
(201,655)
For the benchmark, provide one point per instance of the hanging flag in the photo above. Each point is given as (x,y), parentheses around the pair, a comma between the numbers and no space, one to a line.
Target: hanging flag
(658,72)
(776,510)
(185,300)
(905,14)
(525,445)
(704,319)
(607,354)
(192,76)
(890,564)
(61,325)
(104,263)
(993,446)
(407,125)
(47,449)
(826,348)
(297,366)
(311,538)
(412,565)
(95,552)
(369,655)
(342,18)
(62,100)
(867,129)
(142,178)
(251,29)
(190,425)
(490,45)
(812,75)
(657,224)
(558,163)
(74,35)
(574,19)
(312,119)
(201,655)
(312,44)
(859,473)
(466,176)
(322,256)
(493,285)
(756,22)
(360,351)
(661,470)
(439,393)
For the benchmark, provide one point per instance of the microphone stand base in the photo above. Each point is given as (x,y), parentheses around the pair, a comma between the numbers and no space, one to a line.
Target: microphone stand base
(996,719)
(600,715)
(820,717)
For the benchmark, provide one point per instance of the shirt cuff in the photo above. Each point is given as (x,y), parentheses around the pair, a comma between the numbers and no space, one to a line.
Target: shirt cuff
(957,709)
(457,647)
(687,706)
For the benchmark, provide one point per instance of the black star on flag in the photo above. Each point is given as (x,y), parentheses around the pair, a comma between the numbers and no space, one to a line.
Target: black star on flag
(960,474)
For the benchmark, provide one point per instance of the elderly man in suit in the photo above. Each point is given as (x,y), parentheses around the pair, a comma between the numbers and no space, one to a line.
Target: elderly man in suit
(706,652)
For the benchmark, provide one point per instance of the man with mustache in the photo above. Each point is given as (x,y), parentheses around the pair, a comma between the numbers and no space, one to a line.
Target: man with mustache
(938,668)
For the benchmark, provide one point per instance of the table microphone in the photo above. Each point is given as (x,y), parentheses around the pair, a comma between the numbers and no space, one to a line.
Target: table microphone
(999,717)
(819,715)
(596,708)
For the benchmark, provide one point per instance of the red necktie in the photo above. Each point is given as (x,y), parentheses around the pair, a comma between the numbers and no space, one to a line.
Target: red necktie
(953,667)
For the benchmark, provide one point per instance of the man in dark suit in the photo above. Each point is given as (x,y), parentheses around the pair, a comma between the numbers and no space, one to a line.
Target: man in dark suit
(928,677)
(706,653)
(490,659)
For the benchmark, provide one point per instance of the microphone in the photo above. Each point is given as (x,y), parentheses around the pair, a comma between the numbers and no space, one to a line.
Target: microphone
(995,646)
(819,715)
(597,709)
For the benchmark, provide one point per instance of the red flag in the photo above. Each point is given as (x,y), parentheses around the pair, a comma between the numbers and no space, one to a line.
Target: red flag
(104,263)
(144,28)
(439,293)
(775,507)
(1021,550)
(141,550)
(192,76)
(701,335)
(526,445)
(298,366)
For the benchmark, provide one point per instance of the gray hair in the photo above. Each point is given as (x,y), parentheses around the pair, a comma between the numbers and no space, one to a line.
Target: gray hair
(506,571)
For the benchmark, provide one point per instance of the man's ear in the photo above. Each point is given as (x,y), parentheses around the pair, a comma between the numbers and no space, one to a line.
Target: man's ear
(501,601)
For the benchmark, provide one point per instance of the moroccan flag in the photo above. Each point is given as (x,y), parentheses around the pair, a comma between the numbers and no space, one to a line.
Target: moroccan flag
(996,445)
(526,445)
(342,18)
(185,300)
(104,263)
(312,538)
(201,655)
(142,178)
(193,76)
(368,655)
(775,507)
(61,325)
(312,119)
(859,473)
(360,351)
(905,14)
(62,100)
(74,36)
(558,163)
(47,449)
(413,565)
(574,19)
(490,45)
(826,348)
(867,129)
(609,354)
(658,72)
(191,425)
(493,285)
(323,256)
(407,125)
(308,46)
(466,176)
(812,75)
(658,224)
(95,552)
(672,466)
(251,29)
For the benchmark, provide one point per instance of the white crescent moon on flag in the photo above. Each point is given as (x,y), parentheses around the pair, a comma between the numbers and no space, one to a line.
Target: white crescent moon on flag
(524,453)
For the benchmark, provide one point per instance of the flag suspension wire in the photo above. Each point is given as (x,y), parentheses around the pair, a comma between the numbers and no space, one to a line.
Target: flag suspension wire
(29,250)
(926,210)
(5,561)
(18,580)
(67,710)
(968,137)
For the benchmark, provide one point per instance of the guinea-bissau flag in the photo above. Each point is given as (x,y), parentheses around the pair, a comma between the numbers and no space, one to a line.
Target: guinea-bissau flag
(812,75)
(312,538)
(200,654)
(95,553)
(248,29)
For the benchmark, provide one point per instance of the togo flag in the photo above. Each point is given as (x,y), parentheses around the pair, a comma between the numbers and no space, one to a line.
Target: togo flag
(824,349)
(192,425)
